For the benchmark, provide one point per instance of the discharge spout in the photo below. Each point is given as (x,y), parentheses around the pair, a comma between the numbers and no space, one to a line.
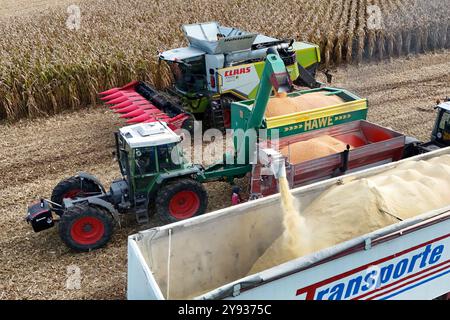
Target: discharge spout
(273,160)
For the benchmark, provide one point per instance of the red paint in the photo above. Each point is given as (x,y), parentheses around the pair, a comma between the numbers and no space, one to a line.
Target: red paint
(311,289)
(87,230)
(227,118)
(184,204)
(72,193)
(352,139)
(406,283)
(236,72)
(376,135)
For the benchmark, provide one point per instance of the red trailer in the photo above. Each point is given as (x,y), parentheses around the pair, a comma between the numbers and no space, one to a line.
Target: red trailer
(372,145)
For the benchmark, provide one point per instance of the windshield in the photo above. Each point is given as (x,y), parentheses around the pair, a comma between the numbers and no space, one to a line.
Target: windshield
(161,158)
(168,157)
(189,75)
(445,121)
(145,160)
(444,126)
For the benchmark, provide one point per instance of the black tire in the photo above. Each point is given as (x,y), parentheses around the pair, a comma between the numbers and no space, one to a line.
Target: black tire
(66,186)
(192,198)
(218,114)
(75,221)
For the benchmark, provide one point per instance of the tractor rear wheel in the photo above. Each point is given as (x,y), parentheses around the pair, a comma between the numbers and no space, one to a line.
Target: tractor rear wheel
(181,199)
(84,227)
(73,188)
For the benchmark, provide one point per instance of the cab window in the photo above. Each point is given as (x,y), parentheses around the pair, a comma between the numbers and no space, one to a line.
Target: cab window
(190,76)
(145,160)
(167,157)
(445,121)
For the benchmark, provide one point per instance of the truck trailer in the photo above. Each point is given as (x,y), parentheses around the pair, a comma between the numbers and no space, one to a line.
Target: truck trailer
(209,257)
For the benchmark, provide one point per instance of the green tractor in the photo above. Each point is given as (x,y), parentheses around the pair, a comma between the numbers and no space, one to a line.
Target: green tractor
(155,178)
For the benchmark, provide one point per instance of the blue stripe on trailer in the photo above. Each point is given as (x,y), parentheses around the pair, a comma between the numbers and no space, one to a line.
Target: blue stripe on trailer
(416,285)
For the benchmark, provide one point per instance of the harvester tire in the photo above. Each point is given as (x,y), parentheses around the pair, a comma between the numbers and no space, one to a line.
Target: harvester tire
(181,199)
(72,187)
(84,227)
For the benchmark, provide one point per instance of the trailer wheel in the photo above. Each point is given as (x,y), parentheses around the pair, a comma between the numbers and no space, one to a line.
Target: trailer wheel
(72,188)
(181,199)
(84,227)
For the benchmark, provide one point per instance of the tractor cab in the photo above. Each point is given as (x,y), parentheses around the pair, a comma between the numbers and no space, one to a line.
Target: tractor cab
(441,131)
(440,136)
(148,148)
(146,151)
(156,174)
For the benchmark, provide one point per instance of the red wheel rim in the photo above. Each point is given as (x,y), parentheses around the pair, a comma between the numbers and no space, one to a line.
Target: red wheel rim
(87,230)
(184,204)
(72,193)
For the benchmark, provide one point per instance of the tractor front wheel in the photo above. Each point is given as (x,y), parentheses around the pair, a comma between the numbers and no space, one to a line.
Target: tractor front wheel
(84,227)
(181,199)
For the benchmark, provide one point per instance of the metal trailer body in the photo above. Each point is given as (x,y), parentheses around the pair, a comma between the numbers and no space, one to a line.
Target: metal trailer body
(372,144)
(353,108)
(406,260)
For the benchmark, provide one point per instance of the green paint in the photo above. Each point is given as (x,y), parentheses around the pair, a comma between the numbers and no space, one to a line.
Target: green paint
(195,105)
(307,54)
(320,123)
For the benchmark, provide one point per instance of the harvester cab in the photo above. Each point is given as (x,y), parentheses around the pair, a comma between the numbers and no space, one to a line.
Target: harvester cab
(224,60)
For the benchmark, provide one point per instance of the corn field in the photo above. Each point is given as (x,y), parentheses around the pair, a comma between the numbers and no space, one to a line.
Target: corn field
(45,67)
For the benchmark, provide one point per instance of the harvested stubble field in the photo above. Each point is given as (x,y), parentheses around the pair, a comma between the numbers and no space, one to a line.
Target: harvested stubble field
(46,67)
(36,154)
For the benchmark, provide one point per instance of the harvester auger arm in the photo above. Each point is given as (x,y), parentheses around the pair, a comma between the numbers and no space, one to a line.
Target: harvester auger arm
(275,76)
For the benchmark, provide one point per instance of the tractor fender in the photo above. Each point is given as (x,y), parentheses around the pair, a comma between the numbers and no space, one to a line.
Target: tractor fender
(178,174)
(106,205)
(167,177)
(84,175)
